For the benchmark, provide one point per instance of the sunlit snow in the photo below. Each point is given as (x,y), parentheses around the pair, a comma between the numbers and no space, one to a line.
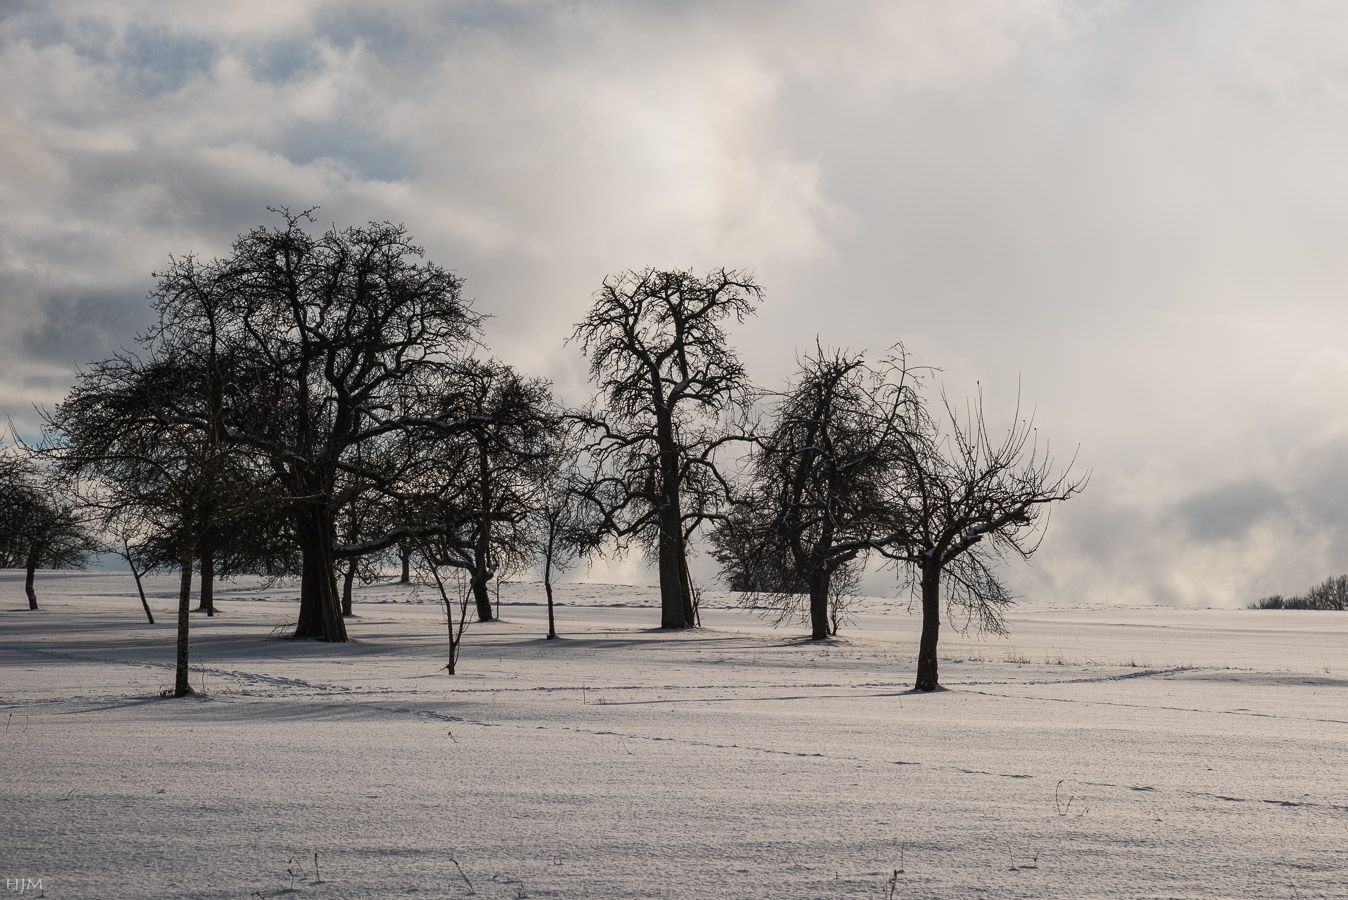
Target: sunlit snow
(1096,752)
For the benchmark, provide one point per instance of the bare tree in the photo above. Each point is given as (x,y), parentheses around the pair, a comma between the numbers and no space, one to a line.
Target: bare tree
(40,525)
(168,488)
(136,573)
(819,485)
(468,494)
(452,585)
(964,500)
(336,341)
(561,532)
(512,420)
(1332,593)
(667,381)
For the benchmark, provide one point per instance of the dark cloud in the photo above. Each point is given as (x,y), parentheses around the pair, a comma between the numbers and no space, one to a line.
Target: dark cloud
(74,330)
(38,23)
(1321,481)
(1229,511)
(381,30)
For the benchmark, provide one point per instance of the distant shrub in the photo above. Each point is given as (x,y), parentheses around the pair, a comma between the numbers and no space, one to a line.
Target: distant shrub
(1332,593)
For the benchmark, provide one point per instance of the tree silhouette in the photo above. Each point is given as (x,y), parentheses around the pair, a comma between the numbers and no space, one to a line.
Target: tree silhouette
(964,500)
(40,525)
(819,483)
(667,381)
(336,341)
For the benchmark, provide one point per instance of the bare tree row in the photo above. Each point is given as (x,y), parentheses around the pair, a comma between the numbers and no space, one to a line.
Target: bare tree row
(1330,594)
(321,404)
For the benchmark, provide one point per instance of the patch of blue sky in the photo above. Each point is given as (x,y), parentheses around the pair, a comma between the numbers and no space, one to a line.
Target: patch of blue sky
(41,25)
(398,41)
(501,17)
(156,61)
(285,59)
(368,157)
(379,32)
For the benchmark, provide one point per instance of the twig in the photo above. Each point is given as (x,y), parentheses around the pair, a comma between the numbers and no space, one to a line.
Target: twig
(462,875)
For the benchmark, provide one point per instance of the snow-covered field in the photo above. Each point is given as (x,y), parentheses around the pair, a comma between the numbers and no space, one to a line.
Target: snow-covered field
(1094,753)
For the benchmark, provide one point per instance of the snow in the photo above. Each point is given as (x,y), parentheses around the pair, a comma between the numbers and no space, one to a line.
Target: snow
(1097,752)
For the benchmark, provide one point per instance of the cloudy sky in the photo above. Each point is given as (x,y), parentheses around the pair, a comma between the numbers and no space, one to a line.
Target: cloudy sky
(1137,213)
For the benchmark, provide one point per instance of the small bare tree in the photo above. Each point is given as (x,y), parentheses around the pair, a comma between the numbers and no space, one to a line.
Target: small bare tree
(452,585)
(137,573)
(40,525)
(151,480)
(819,489)
(510,421)
(561,533)
(963,500)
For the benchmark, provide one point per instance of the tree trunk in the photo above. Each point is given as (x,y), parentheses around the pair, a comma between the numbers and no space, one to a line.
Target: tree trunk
(181,687)
(547,586)
(931,627)
(819,581)
(676,602)
(29,574)
(455,629)
(453,640)
(407,565)
(207,578)
(691,613)
(320,604)
(482,544)
(482,596)
(346,588)
(140,588)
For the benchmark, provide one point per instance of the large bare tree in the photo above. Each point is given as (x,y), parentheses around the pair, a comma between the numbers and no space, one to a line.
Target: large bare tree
(667,381)
(337,340)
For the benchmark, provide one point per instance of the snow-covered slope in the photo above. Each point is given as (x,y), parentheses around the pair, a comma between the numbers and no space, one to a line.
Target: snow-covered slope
(1093,753)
